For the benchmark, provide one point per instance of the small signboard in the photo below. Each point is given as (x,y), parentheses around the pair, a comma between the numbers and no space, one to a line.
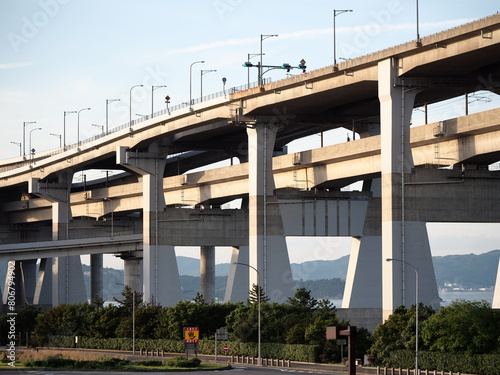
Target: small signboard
(341,341)
(221,334)
(191,335)
(226,348)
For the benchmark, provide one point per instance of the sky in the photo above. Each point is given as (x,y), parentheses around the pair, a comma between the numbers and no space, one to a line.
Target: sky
(68,55)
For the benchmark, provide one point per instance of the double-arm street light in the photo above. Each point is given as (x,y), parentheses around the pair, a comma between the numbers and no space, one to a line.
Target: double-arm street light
(24,135)
(416,308)
(262,38)
(130,106)
(336,12)
(78,125)
(153,88)
(107,102)
(259,357)
(191,83)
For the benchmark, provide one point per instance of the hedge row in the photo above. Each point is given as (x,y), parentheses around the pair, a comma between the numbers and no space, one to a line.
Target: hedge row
(484,364)
(300,353)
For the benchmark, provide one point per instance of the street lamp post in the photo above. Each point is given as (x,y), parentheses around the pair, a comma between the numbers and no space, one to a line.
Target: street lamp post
(78,125)
(153,88)
(31,131)
(416,308)
(190,83)
(58,136)
(202,73)
(64,127)
(336,12)
(107,102)
(24,135)
(100,127)
(418,33)
(259,359)
(19,144)
(130,106)
(262,38)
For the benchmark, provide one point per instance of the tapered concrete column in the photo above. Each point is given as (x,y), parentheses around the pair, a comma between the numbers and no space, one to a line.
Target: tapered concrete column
(161,281)
(132,273)
(96,263)
(237,286)
(15,278)
(207,273)
(496,293)
(267,245)
(363,288)
(43,289)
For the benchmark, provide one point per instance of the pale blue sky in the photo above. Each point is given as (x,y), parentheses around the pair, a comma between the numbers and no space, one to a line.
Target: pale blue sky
(66,55)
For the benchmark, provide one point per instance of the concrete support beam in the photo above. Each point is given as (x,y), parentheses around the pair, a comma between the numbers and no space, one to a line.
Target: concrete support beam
(237,286)
(67,281)
(132,273)
(268,251)
(398,280)
(207,273)
(161,281)
(43,290)
(96,274)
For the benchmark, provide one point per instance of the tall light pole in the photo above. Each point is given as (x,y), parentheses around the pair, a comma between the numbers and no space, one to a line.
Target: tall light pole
(190,83)
(336,12)
(31,131)
(107,102)
(262,38)
(58,136)
(153,88)
(202,73)
(19,144)
(259,359)
(64,127)
(130,107)
(416,308)
(24,135)
(78,125)
(418,33)
(100,127)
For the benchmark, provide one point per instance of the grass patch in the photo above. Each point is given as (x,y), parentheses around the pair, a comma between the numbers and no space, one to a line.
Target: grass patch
(73,360)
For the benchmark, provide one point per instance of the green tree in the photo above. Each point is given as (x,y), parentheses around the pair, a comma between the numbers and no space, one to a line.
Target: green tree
(463,327)
(254,295)
(398,332)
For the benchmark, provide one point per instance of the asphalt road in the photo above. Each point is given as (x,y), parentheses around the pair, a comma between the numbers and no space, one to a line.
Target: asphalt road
(240,369)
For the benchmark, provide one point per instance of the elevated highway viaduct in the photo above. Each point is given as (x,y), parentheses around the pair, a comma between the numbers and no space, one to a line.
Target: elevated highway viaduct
(291,194)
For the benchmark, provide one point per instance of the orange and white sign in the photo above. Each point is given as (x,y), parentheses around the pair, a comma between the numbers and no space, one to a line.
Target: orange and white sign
(191,334)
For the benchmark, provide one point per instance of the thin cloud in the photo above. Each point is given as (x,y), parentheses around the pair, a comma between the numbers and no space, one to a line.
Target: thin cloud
(14,65)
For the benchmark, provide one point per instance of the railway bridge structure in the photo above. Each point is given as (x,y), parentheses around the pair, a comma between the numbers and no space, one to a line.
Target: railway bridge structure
(409,176)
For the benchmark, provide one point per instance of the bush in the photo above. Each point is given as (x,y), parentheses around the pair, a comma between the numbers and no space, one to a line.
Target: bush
(149,363)
(183,362)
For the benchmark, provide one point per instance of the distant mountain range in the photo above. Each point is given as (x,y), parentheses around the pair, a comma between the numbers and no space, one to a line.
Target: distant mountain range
(324,278)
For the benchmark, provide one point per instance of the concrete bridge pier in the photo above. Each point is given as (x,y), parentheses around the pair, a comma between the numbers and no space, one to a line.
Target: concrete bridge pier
(17,287)
(43,288)
(161,281)
(401,240)
(267,245)
(237,281)
(96,274)
(67,273)
(207,273)
(132,273)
